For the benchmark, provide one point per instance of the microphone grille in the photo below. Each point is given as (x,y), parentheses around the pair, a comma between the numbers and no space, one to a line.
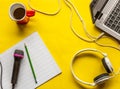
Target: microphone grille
(18,53)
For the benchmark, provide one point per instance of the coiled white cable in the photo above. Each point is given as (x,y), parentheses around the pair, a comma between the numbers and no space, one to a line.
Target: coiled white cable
(68,3)
(46,13)
(92,38)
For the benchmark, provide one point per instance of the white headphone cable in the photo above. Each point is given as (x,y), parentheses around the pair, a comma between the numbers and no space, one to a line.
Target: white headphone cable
(93,39)
(46,13)
(72,28)
(115,74)
(80,18)
(109,46)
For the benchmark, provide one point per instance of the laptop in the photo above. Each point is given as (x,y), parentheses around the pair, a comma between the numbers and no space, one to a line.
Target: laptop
(106,16)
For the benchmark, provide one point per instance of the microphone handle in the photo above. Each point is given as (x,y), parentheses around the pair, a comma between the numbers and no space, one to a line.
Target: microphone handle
(15,71)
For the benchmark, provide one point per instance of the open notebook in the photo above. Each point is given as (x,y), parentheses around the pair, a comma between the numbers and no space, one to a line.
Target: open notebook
(44,65)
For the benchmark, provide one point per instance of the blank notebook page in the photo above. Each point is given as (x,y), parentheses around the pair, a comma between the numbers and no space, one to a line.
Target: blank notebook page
(44,65)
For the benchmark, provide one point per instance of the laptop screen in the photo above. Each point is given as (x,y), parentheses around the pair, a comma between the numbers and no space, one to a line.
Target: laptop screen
(96,7)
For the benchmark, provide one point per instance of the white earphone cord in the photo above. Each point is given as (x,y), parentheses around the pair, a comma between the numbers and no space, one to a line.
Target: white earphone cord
(92,38)
(71,5)
(46,13)
(116,73)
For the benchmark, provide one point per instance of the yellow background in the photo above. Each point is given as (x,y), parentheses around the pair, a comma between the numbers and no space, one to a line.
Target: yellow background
(61,42)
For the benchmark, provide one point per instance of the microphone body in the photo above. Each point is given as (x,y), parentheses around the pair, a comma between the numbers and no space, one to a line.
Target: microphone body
(18,56)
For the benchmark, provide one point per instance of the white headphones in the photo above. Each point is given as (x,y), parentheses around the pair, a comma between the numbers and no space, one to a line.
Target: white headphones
(100,78)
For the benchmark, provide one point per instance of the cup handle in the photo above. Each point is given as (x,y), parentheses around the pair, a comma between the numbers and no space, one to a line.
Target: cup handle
(30,13)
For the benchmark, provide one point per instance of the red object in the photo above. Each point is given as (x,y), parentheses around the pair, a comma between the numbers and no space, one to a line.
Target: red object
(24,21)
(30,13)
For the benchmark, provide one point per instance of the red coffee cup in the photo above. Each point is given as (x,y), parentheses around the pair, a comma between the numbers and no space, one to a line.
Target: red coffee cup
(18,13)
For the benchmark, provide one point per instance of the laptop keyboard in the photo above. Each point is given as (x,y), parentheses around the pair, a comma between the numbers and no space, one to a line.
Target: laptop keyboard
(113,21)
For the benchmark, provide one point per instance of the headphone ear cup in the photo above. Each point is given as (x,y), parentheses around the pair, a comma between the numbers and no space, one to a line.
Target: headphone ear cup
(107,65)
(101,78)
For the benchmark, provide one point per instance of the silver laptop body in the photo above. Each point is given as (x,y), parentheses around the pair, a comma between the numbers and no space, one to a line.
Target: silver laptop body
(106,16)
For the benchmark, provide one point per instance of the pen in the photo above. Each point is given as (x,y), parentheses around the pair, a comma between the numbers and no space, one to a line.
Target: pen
(30,62)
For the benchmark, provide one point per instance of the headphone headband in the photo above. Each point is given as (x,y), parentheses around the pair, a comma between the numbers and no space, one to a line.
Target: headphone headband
(71,65)
(90,49)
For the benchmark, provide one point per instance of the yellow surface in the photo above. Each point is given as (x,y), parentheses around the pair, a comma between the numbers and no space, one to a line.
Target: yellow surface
(60,40)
